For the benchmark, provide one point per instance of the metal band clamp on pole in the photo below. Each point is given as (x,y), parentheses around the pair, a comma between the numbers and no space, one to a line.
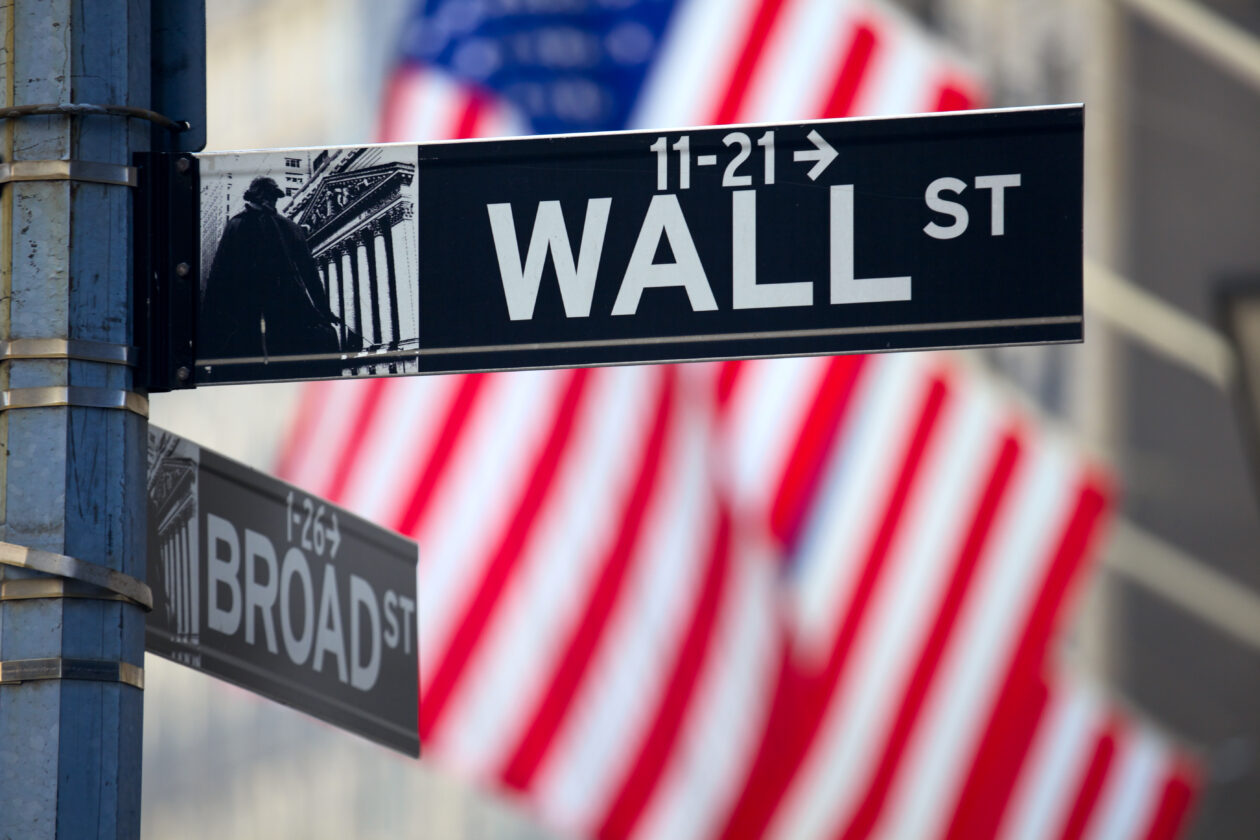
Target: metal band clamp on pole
(57,668)
(63,348)
(26,589)
(71,568)
(75,396)
(83,108)
(68,170)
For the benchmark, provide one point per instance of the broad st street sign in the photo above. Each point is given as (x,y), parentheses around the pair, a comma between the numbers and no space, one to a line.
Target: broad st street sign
(948,230)
(262,585)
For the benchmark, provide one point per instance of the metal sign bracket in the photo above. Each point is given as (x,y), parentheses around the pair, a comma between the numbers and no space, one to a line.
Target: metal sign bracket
(167,261)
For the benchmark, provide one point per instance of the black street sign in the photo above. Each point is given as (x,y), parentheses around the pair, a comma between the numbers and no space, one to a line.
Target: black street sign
(281,593)
(948,230)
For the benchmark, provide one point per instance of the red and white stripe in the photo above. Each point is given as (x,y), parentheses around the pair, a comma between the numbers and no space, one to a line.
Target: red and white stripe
(907,608)
(1037,491)
(591,751)
(897,578)
(779,598)
(726,61)
(423,104)
(613,448)
(1089,774)
(323,432)
(480,516)
(705,768)
(1067,734)
(691,72)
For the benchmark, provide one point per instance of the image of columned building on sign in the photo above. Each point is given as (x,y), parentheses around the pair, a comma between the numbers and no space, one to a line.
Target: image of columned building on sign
(173,522)
(357,209)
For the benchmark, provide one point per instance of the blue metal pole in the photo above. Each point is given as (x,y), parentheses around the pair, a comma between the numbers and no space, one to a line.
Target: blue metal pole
(72,476)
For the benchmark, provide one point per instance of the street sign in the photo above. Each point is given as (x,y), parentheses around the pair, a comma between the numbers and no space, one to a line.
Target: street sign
(281,593)
(866,235)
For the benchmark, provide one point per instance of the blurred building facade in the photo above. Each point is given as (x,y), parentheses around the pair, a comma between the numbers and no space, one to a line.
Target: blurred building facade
(1172,210)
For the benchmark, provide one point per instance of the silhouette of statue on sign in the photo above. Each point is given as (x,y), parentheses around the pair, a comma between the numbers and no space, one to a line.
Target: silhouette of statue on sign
(263,297)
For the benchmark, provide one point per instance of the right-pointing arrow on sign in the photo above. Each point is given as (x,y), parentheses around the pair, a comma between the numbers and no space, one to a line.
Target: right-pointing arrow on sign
(333,532)
(822,154)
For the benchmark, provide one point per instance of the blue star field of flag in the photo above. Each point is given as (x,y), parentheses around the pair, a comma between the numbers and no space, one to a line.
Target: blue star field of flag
(567,65)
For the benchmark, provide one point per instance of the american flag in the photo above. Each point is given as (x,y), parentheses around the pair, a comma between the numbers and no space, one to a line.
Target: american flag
(796,598)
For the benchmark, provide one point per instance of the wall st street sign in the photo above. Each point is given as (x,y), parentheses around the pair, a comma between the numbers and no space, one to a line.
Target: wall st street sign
(950,230)
(260,584)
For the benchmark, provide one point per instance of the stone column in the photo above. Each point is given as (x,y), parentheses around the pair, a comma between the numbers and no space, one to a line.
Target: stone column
(350,276)
(336,292)
(403,251)
(367,270)
(324,280)
(384,244)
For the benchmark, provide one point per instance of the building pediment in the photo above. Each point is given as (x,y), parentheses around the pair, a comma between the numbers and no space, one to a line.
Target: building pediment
(343,196)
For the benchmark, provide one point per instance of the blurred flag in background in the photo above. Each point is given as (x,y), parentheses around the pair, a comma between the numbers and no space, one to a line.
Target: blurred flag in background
(796,598)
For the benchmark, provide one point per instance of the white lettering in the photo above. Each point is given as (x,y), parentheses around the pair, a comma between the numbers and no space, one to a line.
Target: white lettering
(745,292)
(220,570)
(298,647)
(844,287)
(318,631)
(362,676)
(950,208)
(391,620)
(997,203)
(329,637)
(260,597)
(664,218)
(577,282)
(408,607)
